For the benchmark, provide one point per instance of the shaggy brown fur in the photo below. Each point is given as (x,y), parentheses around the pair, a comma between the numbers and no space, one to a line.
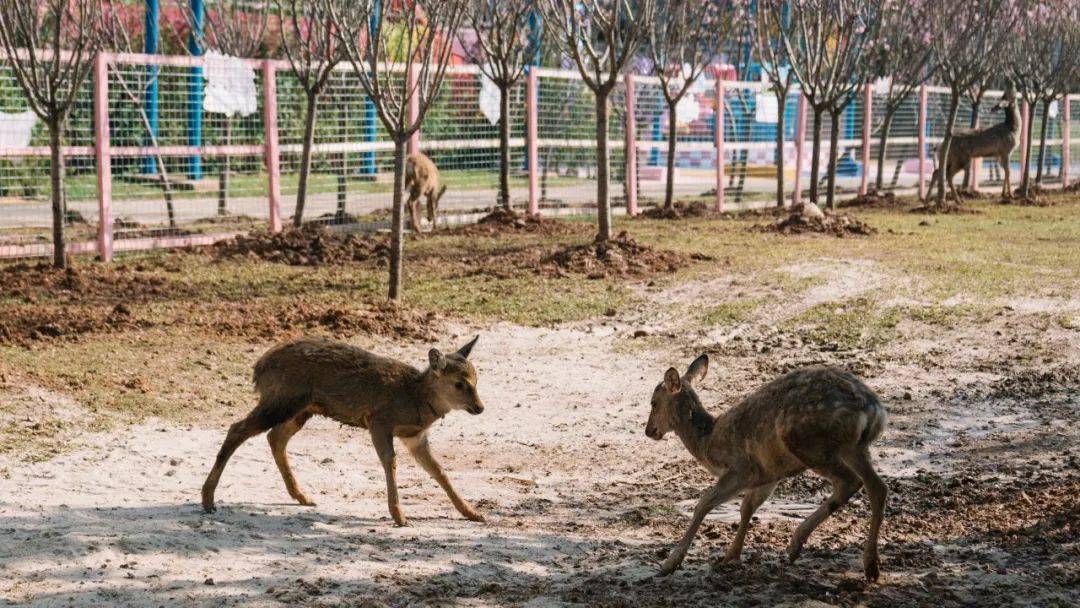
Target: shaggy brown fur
(818,418)
(310,376)
(422,179)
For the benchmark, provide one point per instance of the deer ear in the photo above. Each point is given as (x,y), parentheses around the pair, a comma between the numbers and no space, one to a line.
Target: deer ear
(465,350)
(436,359)
(697,369)
(672,381)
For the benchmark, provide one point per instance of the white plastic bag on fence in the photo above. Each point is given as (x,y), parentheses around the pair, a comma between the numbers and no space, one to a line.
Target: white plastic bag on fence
(766,108)
(16,129)
(230,86)
(489,99)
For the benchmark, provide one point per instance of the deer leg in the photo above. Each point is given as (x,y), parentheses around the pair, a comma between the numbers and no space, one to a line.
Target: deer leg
(845,483)
(384,446)
(279,437)
(414,210)
(728,486)
(876,491)
(238,433)
(1006,191)
(431,202)
(421,451)
(753,499)
(949,177)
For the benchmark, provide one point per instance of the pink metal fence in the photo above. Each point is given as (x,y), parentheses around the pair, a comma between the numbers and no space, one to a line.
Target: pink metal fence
(726,134)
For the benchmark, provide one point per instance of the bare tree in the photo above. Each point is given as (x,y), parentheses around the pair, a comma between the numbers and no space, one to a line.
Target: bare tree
(51,46)
(827,42)
(236,28)
(683,39)
(504,46)
(772,54)
(600,36)
(399,54)
(310,41)
(969,40)
(901,55)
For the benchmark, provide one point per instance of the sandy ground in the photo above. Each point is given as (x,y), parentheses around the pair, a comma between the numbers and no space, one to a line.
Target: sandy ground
(980,456)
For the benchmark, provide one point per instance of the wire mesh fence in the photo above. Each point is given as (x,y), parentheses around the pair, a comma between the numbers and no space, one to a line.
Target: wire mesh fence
(183,169)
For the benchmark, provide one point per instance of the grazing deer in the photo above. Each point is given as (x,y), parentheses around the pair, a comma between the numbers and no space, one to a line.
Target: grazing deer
(422,179)
(997,141)
(309,376)
(818,418)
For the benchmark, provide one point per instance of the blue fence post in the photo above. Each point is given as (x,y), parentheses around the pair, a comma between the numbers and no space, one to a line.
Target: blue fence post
(150,47)
(195,89)
(367,159)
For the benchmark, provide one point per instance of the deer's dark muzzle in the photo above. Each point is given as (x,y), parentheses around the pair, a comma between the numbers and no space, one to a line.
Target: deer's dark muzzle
(652,432)
(476,408)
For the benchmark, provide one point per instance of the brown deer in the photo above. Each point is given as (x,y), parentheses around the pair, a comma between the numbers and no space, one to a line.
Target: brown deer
(997,141)
(422,179)
(309,376)
(818,418)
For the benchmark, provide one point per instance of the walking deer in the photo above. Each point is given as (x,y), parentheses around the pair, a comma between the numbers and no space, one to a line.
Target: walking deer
(310,376)
(997,141)
(818,418)
(422,179)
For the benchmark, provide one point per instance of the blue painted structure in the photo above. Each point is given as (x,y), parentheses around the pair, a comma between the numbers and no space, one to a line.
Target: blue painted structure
(195,88)
(150,47)
(367,161)
(535,42)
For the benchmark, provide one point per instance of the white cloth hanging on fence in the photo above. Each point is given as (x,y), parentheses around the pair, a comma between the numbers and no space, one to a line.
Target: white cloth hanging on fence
(1052,111)
(16,129)
(230,86)
(489,99)
(766,110)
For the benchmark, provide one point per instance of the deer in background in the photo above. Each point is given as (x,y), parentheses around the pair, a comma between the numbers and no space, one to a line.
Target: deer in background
(310,376)
(818,418)
(422,179)
(996,141)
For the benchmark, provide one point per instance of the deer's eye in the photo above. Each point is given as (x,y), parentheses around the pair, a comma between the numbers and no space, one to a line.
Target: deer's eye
(460,385)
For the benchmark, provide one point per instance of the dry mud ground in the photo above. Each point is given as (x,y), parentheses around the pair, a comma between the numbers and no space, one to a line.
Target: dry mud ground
(980,456)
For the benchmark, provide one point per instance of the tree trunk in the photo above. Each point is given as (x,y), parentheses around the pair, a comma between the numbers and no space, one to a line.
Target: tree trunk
(305,157)
(1042,142)
(223,178)
(603,203)
(1025,184)
(834,150)
(56,175)
(504,147)
(815,170)
(781,102)
(883,145)
(974,123)
(954,105)
(397,229)
(673,136)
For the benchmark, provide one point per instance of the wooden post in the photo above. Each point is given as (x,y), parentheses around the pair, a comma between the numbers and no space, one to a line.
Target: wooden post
(273,161)
(1065,118)
(974,168)
(800,141)
(631,148)
(414,108)
(719,142)
(868,104)
(531,87)
(922,142)
(1025,129)
(103,152)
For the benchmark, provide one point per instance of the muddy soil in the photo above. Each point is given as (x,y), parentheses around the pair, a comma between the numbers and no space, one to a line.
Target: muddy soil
(621,256)
(838,225)
(874,200)
(310,245)
(679,210)
(500,221)
(980,455)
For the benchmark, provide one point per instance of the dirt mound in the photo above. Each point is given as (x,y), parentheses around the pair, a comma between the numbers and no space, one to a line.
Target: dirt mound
(502,221)
(41,283)
(679,210)
(275,322)
(1073,187)
(23,325)
(620,256)
(311,245)
(873,200)
(1027,201)
(838,225)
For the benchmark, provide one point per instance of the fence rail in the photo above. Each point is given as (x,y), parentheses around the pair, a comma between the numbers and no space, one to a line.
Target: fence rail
(151,166)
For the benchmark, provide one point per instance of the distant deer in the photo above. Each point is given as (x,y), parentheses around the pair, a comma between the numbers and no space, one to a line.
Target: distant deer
(997,141)
(422,179)
(309,376)
(818,418)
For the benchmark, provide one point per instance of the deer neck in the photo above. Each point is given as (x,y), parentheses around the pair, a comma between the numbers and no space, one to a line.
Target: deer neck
(695,425)
(1012,117)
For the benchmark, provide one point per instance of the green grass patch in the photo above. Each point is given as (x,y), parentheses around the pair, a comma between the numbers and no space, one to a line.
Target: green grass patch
(730,313)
